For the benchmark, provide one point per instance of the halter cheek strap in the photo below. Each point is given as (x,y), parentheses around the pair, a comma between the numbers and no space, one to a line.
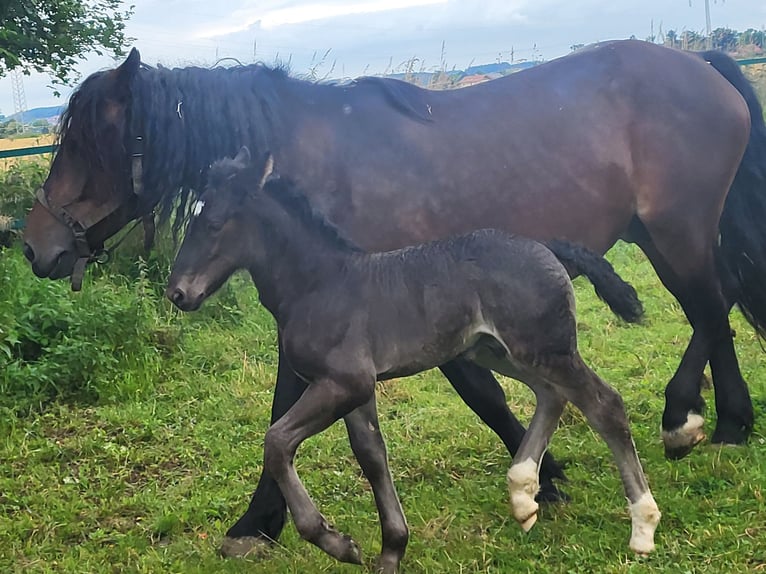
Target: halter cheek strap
(84,253)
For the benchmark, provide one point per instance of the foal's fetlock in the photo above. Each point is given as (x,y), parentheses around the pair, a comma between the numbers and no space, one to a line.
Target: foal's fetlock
(645,516)
(522,488)
(336,544)
(387,563)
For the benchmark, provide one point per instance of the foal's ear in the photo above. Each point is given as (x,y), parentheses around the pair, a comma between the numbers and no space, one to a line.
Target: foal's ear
(243,156)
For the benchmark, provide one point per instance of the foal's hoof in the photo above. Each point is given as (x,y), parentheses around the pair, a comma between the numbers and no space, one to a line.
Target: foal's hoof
(526,525)
(340,546)
(345,550)
(681,441)
(244,547)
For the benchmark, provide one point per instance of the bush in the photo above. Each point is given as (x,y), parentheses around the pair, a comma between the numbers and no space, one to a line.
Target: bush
(102,343)
(18,184)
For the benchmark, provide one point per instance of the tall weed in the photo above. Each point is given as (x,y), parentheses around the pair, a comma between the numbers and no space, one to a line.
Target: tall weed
(59,344)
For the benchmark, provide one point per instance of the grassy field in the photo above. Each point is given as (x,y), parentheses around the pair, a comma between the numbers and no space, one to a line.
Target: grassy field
(150,481)
(6,143)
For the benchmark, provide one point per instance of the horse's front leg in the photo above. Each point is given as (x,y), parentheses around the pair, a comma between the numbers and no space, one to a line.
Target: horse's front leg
(323,402)
(265,517)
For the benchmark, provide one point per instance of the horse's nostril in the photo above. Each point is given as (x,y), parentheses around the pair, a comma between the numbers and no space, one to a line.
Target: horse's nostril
(29,253)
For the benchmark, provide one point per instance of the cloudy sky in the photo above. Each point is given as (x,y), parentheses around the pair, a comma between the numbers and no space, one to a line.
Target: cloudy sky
(347,38)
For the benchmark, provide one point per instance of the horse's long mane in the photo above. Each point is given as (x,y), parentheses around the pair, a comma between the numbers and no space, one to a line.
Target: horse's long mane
(191,116)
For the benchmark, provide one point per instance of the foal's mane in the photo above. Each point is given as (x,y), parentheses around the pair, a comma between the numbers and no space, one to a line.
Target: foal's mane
(285,192)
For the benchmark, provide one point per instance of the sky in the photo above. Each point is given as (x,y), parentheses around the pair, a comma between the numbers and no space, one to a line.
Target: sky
(349,38)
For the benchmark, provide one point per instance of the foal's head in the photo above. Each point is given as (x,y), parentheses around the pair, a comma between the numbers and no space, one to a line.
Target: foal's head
(216,242)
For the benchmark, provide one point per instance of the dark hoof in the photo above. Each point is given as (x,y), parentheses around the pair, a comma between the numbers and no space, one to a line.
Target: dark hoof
(244,547)
(678,453)
(727,433)
(550,494)
(340,546)
(346,551)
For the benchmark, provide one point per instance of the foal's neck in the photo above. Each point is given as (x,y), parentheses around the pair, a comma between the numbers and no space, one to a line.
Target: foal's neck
(294,251)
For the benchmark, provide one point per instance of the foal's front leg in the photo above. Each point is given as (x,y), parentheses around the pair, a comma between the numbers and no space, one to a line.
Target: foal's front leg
(370,450)
(324,402)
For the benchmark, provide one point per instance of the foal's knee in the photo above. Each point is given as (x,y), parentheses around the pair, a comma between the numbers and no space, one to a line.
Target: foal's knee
(276,455)
(613,407)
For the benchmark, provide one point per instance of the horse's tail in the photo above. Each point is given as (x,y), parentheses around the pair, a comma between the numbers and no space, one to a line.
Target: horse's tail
(743,221)
(610,287)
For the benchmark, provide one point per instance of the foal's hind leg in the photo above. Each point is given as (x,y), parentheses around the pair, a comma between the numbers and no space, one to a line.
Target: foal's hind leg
(370,450)
(482,393)
(522,476)
(604,409)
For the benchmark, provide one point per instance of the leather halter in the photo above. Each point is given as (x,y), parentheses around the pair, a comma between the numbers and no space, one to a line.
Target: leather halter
(79,228)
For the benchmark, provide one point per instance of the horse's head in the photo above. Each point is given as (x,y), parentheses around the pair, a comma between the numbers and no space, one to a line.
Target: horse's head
(216,242)
(89,193)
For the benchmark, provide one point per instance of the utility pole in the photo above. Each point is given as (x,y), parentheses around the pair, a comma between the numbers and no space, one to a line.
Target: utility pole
(708,27)
(19,98)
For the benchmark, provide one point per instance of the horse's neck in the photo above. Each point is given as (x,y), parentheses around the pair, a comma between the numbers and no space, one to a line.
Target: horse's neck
(291,257)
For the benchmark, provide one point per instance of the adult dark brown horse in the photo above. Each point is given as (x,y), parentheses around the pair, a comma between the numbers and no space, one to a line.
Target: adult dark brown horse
(624,140)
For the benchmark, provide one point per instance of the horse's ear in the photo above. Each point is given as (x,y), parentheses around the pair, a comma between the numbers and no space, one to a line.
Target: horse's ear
(130,66)
(243,156)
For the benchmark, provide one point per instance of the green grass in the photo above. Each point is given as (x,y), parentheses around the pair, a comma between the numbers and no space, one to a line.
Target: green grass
(151,483)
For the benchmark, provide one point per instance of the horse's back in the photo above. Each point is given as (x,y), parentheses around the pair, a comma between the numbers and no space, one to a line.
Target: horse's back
(576,148)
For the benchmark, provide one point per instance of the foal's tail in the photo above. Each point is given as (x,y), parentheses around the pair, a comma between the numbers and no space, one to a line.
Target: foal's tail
(610,287)
(743,221)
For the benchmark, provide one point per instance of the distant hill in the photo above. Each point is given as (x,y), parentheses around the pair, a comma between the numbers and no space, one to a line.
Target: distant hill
(494,69)
(50,113)
(499,68)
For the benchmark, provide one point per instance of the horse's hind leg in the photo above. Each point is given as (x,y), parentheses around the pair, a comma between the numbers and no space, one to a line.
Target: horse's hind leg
(323,402)
(685,263)
(604,409)
(482,393)
(370,450)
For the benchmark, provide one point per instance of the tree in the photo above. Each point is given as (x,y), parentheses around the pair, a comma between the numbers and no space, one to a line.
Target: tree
(724,39)
(49,35)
